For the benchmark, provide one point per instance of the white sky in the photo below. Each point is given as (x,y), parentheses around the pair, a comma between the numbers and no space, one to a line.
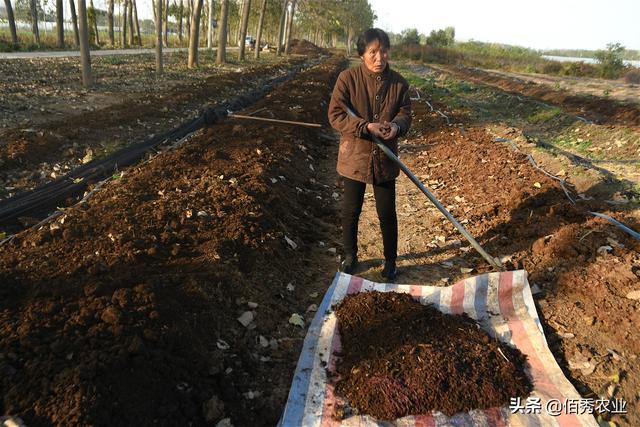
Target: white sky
(540,24)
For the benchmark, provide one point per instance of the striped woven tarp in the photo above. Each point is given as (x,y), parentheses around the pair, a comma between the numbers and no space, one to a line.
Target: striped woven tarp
(500,302)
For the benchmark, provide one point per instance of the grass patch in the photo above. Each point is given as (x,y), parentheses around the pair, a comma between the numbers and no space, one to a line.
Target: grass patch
(575,144)
(544,115)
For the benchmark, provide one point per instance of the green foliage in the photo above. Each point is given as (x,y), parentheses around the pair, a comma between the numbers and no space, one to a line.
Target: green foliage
(441,38)
(610,60)
(410,36)
(114,60)
(544,115)
(576,144)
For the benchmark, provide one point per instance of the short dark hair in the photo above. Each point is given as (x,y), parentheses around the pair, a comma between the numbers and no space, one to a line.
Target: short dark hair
(372,34)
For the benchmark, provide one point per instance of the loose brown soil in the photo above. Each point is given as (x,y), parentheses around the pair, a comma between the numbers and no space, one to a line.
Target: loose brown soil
(125,312)
(127,105)
(304,47)
(583,291)
(401,358)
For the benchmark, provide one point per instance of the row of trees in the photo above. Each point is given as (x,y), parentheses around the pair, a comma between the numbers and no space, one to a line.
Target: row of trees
(326,23)
(323,22)
(436,38)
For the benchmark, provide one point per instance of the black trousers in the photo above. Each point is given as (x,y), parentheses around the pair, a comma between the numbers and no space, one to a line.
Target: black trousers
(385,195)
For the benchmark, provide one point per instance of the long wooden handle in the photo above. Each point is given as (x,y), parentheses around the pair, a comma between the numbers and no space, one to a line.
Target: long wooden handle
(264,119)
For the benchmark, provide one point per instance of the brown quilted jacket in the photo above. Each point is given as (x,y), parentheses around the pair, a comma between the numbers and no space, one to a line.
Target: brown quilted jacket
(374,97)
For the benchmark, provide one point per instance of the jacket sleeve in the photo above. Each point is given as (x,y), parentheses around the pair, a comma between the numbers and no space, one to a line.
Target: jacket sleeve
(403,118)
(338,116)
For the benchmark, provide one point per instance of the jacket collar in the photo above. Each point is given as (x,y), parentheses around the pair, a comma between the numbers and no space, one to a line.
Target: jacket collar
(384,75)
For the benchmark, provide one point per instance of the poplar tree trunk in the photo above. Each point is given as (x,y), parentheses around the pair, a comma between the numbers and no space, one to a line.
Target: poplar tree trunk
(239,26)
(158,14)
(112,40)
(166,24)
(125,5)
(12,21)
(283,14)
(136,21)
(74,20)
(130,23)
(290,27)
(259,32)
(180,12)
(243,28)
(222,33)
(59,22)
(95,24)
(85,57)
(33,8)
(210,26)
(188,19)
(195,35)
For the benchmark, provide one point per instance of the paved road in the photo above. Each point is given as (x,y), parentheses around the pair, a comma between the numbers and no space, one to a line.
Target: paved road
(72,53)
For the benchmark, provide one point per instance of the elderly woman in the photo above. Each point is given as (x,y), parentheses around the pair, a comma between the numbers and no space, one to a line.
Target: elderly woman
(379,97)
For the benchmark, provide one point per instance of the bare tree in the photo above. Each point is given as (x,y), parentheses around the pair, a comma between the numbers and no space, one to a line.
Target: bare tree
(112,40)
(74,20)
(195,35)
(259,32)
(33,9)
(136,21)
(283,14)
(125,5)
(180,13)
(243,28)
(130,22)
(290,27)
(158,14)
(210,26)
(85,57)
(166,24)
(222,32)
(94,22)
(188,18)
(59,22)
(12,21)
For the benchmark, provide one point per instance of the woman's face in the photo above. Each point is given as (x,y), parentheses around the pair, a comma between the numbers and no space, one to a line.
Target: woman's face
(375,57)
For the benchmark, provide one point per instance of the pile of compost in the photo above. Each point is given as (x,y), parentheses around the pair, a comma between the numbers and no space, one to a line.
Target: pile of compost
(401,358)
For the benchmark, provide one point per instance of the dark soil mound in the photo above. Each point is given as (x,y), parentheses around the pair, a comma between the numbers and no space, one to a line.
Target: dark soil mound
(404,358)
(125,312)
(304,47)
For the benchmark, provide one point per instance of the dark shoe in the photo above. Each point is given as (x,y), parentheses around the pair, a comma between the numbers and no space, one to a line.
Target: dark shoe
(349,265)
(389,272)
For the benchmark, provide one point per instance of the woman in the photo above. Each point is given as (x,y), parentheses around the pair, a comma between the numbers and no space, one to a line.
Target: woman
(379,97)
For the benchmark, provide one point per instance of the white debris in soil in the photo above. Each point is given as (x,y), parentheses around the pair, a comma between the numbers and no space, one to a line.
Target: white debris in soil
(246,318)
(291,243)
(296,320)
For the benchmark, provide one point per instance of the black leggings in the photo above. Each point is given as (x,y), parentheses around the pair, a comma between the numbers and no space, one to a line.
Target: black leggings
(385,195)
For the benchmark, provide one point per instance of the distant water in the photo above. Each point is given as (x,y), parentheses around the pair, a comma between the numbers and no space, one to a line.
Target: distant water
(587,60)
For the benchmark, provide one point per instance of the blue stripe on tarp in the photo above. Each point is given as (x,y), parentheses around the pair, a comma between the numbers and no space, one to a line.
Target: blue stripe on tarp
(294,409)
(480,303)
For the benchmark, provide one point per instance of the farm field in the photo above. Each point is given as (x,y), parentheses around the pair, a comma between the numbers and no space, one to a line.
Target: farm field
(167,295)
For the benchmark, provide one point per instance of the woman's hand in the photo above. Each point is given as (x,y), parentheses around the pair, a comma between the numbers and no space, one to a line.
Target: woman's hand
(386,130)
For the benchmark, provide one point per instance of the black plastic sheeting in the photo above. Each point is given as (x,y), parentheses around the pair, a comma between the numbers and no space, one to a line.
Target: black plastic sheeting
(41,201)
